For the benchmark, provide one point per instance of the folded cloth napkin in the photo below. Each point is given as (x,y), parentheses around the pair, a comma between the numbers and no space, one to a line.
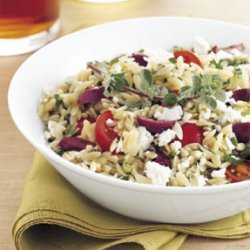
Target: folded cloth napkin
(54,215)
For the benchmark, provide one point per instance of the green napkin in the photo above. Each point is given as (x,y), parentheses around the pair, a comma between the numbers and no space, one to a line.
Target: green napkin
(54,215)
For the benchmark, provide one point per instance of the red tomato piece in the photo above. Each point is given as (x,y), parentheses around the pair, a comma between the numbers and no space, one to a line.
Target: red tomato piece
(175,91)
(104,134)
(192,134)
(237,173)
(188,57)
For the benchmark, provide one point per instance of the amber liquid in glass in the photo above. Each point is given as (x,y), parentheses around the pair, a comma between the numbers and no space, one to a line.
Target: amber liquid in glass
(22,18)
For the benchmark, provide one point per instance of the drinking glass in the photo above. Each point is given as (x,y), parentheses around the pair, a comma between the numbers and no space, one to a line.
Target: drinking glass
(26,25)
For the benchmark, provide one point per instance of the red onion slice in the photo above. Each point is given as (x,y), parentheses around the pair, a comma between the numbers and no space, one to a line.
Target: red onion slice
(162,159)
(240,47)
(153,126)
(74,143)
(135,91)
(242,131)
(91,96)
(95,69)
(242,95)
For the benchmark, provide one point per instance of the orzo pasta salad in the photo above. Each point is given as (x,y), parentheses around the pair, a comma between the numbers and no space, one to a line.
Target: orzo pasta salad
(170,118)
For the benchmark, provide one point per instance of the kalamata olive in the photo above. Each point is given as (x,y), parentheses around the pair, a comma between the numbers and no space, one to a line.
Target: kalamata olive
(140,59)
(91,96)
(242,95)
(242,131)
(74,143)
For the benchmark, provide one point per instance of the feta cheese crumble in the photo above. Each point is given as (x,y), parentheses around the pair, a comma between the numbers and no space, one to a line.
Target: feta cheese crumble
(157,173)
(145,138)
(229,114)
(169,114)
(229,98)
(185,164)
(222,55)
(156,56)
(201,46)
(119,146)
(219,173)
(109,122)
(201,180)
(116,68)
(175,147)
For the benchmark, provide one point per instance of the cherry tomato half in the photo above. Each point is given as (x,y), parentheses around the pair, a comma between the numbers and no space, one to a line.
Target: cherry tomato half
(192,134)
(188,57)
(104,134)
(237,173)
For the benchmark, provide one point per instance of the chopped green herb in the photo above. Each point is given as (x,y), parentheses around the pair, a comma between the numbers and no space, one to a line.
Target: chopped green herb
(237,61)
(127,168)
(115,60)
(196,84)
(51,139)
(60,152)
(147,78)
(141,51)
(185,92)
(160,65)
(209,173)
(171,155)
(118,82)
(70,131)
(67,117)
(183,102)
(209,176)
(147,82)
(59,100)
(172,60)
(234,141)
(170,99)
(245,152)
(125,177)
(220,95)
(216,65)
(207,88)
(216,82)
(233,159)
(226,83)
(136,105)
(211,102)
(237,73)
(138,158)
(160,90)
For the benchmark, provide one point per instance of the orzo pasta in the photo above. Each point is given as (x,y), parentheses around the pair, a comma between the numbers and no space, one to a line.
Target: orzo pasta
(171,118)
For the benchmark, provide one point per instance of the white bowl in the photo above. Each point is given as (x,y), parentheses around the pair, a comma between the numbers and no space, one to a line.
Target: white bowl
(51,65)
